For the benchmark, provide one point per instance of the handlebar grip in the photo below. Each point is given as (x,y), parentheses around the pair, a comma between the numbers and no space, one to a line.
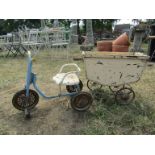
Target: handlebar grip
(29,53)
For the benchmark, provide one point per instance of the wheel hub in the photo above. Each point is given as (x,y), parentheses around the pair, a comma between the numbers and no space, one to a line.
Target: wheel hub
(21,102)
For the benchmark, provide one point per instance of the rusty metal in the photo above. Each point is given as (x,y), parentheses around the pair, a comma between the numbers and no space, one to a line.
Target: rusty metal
(73,88)
(124,96)
(114,89)
(19,100)
(93,85)
(81,101)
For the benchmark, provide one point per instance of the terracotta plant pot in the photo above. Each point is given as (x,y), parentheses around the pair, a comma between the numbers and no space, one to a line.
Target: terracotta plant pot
(104,46)
(122,40)
(119,48)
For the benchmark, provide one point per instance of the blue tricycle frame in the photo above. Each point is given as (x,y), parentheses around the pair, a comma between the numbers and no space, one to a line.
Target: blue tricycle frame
(27,98)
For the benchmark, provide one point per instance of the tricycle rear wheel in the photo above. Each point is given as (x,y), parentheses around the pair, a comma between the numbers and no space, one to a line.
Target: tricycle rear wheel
(73,88)
(81,101)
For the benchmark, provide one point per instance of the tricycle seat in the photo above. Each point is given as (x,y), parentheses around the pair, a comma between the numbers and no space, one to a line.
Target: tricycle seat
(66,79)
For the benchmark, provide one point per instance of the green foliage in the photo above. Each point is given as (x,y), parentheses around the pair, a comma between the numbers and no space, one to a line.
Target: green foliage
(65,22)
(9,25)
(103,24)
(100,25)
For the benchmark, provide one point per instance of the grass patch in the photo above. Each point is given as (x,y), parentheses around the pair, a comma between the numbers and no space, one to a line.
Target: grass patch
(110,118)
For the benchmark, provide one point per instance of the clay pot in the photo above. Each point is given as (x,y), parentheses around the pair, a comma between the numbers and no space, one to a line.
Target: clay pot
(122,40)
(119,48)
(104,46)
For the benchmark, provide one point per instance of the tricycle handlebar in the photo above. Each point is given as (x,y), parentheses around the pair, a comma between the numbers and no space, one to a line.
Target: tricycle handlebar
(29,54)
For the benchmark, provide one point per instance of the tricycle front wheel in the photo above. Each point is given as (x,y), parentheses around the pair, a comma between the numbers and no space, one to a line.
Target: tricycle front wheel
(21,102)
(81,101)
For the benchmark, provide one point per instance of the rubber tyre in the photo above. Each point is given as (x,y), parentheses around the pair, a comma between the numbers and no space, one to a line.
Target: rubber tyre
(19,100)
(81,101)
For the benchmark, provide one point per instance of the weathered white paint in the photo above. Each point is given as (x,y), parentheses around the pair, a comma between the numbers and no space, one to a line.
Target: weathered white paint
(112,70)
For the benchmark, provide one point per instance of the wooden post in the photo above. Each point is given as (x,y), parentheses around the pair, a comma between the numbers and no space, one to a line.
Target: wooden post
(151,46)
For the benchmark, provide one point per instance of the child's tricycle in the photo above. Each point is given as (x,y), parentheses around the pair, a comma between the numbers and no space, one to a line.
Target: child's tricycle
(27,98)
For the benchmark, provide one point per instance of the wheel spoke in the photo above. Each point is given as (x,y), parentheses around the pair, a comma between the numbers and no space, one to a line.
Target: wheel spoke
(93,85)
(124,95)
(21,102)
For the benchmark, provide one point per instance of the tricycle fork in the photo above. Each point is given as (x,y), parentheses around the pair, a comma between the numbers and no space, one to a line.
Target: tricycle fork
(29,79)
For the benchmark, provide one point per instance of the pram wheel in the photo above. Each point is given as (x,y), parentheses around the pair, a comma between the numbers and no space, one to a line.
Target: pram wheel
(124,96)
(114,89)
(81,101)
(93,85)
(21,102)
(73,88)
